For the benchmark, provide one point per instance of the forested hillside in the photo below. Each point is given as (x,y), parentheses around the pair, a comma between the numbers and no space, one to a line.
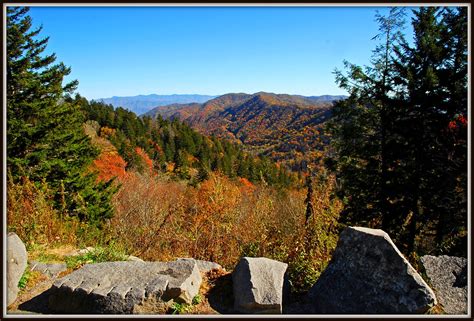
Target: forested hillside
(286,128)
(174,147)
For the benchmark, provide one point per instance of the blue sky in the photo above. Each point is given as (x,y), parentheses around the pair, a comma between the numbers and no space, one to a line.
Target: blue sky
(125,51)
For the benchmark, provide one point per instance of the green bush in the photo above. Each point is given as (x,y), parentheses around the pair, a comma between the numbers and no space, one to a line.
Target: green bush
(24,278)
(99,254)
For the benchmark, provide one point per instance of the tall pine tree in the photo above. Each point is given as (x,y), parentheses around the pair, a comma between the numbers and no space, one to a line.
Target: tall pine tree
(362,132)
(433,74)
(399,140)
(46,141)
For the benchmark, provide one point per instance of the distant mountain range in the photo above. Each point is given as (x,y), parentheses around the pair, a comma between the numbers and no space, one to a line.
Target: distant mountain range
(287,128)
(142,103)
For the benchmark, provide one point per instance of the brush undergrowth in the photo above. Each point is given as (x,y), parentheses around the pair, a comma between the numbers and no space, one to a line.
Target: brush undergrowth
(219,220)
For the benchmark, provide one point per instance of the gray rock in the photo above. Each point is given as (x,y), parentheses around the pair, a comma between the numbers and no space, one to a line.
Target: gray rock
(49,269)
(116,287)
(367,275)
(258,285)
(203,266)
(448,276)
(17,260)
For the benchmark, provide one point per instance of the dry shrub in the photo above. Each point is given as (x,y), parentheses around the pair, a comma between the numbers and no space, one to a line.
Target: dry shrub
(210,219)
(91,128)
(31,217)
(143,208)
(220,221)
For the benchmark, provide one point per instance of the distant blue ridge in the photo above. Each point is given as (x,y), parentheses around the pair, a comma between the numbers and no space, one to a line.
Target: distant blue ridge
(142,103)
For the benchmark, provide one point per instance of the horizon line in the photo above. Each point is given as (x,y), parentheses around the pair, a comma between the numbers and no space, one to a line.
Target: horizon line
(217,95)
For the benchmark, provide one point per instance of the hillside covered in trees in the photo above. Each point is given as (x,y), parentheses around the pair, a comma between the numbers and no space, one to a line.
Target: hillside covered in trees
(287,128)
(174,147)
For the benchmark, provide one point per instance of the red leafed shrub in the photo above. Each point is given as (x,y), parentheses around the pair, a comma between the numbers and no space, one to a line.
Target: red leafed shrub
(247,186)
(462,120)
(452,124)
(459,121)
(110,165)
(144,156)
(156,147)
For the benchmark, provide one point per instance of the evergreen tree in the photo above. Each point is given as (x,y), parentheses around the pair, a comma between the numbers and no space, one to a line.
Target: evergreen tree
(433,75)
(46,141)
(399,139)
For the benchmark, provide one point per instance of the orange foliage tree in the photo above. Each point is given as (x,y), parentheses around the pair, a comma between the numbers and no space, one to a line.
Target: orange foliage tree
(145,158)
(109,165)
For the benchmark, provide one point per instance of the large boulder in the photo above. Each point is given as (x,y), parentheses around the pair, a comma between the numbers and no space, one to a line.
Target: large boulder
(368,274)
(448,276)
(117,287)
(258,285)
(17,260)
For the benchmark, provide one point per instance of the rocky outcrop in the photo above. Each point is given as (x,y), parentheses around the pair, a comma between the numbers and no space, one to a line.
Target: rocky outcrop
(369,275)
(448,276)
(17,260)
(258,285)
(117,287)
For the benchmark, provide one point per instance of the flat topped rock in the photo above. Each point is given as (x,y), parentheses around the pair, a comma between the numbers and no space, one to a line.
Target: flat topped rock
(368,275)
(116,287)
(448,275)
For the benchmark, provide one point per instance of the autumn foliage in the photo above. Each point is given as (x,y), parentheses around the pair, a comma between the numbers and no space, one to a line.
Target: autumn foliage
(145,158)
(33,219)
(459,122)
(223,219)
(110,165)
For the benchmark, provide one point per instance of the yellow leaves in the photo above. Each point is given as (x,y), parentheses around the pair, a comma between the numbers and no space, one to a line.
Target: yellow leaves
(170,167)
(107,132)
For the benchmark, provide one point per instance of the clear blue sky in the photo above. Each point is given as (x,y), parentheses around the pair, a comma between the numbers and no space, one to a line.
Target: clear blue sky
(125,51)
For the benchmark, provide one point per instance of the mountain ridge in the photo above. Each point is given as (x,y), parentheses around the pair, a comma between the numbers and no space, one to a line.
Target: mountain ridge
(287,128)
